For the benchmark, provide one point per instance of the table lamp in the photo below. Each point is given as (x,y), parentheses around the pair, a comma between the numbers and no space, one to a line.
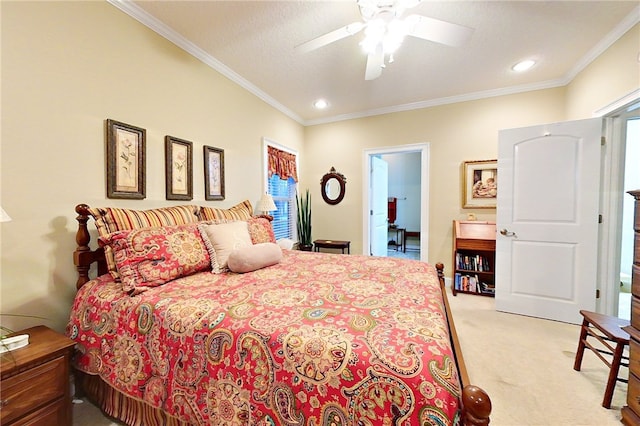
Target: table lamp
(266,204)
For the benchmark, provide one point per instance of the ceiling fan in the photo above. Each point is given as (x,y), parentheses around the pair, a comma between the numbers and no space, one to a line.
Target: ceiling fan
(385,29)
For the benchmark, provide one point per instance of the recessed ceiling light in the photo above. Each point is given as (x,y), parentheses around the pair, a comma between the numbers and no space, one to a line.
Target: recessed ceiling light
(320,104)
(523,65)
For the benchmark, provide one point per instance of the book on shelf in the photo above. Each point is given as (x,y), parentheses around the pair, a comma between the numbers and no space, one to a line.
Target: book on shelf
(476,262)
(469,283)
(488,288)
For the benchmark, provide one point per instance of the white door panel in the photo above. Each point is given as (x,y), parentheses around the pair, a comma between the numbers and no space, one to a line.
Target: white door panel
(379,206)
(548,197)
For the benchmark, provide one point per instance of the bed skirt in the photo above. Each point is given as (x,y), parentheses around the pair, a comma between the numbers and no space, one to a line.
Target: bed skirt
(119,406)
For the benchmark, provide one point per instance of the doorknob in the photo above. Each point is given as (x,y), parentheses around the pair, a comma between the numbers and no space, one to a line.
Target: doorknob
(507,233)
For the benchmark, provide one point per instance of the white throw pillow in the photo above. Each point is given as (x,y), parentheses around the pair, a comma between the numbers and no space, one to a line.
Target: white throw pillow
(254,257)
(223,238)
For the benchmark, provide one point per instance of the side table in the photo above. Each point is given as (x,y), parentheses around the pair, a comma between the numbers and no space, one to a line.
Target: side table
(332,244)
(35,380)
(401,238)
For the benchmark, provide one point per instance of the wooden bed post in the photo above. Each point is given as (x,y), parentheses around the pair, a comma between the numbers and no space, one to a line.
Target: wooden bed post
(476,404)
(82,240)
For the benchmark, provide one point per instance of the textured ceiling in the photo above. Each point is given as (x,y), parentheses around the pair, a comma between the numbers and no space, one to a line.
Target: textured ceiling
(253,43)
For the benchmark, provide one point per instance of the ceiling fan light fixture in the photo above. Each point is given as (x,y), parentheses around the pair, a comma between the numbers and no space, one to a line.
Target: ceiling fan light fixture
(373,35)
(523,65)
(394,36)
(388,34)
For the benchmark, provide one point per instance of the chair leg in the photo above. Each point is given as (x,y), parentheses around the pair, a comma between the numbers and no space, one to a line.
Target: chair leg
(613,375)
(580,352)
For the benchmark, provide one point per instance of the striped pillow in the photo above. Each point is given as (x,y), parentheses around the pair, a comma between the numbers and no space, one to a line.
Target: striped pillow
(242,211)
(110,219)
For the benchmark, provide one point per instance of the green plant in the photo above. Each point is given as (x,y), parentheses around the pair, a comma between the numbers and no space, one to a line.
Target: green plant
(304,219)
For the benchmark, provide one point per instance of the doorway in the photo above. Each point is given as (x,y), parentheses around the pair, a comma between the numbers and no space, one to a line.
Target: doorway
(631,182)
(403,177)
(412,196)
(621,120)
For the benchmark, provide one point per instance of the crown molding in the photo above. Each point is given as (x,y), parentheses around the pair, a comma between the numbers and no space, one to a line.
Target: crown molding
(485,94)
(154,24)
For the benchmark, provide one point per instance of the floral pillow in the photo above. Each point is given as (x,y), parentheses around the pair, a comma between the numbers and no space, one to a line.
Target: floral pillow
(149,257)
(111,219)
(260,230)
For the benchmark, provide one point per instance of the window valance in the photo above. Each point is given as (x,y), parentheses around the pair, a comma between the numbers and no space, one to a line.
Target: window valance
(282,163)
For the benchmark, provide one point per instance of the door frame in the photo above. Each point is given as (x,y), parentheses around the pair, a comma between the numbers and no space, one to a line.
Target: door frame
(423,149)
(611,198)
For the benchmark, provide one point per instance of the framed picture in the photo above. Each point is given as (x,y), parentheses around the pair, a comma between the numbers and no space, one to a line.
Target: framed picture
(213,173)
(178,168)
(125,160)
(479,184)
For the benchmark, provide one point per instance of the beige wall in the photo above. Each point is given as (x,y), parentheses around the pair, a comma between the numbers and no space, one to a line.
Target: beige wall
(613,75)
(456,133)
(68,66)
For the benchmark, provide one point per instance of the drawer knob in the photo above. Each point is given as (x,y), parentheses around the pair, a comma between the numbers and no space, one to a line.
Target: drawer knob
(4,402)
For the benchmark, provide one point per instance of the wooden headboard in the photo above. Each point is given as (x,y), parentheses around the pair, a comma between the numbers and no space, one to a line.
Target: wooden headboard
(83,255)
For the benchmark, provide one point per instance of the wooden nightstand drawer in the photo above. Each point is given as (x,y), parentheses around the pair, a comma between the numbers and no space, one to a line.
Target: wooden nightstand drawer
(32,389)
(34,380)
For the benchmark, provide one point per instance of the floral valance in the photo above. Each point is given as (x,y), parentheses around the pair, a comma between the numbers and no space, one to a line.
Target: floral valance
(282,163)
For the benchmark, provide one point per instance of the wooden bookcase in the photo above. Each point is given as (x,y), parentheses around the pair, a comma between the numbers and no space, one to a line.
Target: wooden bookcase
(474,257)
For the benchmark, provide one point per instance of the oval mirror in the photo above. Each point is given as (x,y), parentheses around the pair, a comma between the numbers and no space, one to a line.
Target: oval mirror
(333,186)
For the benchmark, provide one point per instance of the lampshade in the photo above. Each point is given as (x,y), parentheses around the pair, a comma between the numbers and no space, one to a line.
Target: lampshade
(4,217)
(266,204)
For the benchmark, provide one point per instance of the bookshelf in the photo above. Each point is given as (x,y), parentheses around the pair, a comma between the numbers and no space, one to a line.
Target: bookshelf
(474,257)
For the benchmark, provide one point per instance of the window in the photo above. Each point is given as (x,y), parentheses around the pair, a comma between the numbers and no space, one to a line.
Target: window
(284,196)
(281,172)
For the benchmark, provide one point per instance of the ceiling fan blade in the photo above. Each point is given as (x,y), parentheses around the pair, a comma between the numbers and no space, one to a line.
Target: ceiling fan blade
(439,31)
(330,37)
(375,62)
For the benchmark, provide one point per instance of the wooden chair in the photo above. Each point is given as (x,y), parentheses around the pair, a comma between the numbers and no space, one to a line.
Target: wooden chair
(608,331)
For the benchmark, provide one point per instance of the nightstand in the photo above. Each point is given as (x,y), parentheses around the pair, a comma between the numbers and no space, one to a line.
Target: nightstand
(34,380)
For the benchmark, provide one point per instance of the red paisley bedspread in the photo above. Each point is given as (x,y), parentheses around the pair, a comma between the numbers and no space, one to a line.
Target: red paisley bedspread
(319,339)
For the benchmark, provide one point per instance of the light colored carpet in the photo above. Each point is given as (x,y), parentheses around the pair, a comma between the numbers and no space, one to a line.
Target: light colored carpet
(525,364)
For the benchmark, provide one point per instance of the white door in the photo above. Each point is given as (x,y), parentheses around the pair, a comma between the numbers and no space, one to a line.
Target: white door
(379,207)
(547,219)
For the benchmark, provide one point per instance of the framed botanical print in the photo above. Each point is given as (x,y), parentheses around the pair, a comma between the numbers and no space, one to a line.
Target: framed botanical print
(125,160)
(213,173)
(178,168)
(480,184)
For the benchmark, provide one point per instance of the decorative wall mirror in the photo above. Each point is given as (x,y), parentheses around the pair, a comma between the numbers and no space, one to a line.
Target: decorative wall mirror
(333,186)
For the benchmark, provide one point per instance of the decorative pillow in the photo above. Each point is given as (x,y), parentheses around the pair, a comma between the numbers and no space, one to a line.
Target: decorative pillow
(261,230)
(242,211)
(223,238)
(149,257)
(254,257)
(109,220)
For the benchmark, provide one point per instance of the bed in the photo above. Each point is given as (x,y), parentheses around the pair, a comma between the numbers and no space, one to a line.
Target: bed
(310,339)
